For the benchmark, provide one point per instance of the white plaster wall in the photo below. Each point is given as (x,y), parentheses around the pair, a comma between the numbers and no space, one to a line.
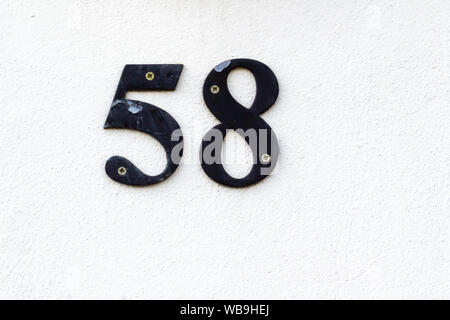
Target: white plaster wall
(357,208)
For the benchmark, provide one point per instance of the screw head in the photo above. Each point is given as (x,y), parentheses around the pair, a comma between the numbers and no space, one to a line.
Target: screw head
(150,76)
(265,158)
(122,171)
(215,89)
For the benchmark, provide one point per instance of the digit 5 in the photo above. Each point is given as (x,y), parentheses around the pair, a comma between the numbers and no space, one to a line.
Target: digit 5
(147,118)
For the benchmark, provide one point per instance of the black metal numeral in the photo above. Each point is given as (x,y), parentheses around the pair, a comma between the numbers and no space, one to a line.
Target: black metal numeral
(145,117)
(247,122)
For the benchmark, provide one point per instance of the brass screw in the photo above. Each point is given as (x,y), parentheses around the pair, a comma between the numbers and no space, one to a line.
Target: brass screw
(265,158)
(215,89)
(122,171)
(150,76)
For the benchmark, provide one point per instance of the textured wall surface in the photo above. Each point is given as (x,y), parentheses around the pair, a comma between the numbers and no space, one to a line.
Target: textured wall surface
(359,204)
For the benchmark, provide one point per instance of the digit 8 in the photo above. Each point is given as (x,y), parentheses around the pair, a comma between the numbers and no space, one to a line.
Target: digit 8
(247,122)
